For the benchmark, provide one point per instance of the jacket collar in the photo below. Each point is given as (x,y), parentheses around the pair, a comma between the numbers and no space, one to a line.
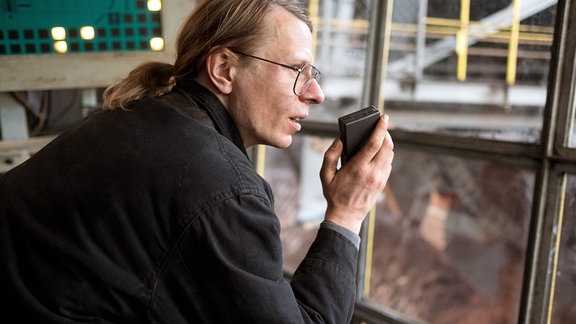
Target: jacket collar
(203,99)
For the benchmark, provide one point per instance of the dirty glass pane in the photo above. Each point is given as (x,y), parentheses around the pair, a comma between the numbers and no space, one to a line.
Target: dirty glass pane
(450,239)
(293,174)
(564,296)
(468,68)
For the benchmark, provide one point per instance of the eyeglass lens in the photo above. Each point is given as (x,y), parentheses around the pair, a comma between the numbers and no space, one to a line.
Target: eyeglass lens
(305,78)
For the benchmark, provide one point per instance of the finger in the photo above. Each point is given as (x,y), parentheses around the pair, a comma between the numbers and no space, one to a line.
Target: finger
(330,162)
(375,142)
(388,141)
(386,153)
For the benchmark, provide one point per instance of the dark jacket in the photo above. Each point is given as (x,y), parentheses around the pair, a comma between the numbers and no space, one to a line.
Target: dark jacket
(155,214)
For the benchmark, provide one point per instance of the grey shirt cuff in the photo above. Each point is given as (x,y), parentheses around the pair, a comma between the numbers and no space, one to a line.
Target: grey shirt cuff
(353,237)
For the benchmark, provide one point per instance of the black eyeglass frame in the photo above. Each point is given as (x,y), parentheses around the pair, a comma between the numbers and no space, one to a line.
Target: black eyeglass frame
(315,72)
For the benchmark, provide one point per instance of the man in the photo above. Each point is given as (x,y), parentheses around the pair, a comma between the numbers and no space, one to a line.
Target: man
(150,210)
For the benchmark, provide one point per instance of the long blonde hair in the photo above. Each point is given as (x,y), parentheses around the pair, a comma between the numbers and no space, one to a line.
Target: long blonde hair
(233,24)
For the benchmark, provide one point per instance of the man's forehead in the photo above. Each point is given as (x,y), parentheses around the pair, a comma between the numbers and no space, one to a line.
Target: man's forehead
(287,33)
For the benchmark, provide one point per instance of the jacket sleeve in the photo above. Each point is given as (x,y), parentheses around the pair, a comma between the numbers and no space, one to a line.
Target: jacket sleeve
(233,255)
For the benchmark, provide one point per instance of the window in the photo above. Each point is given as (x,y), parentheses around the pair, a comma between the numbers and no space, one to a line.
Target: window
(477,222)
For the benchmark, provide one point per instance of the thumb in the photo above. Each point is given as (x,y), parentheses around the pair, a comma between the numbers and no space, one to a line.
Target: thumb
(330,162)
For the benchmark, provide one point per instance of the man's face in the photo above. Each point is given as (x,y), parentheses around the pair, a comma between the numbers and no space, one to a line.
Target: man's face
(263,104)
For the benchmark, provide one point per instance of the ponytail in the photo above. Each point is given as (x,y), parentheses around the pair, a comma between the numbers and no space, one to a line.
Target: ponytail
(149,79)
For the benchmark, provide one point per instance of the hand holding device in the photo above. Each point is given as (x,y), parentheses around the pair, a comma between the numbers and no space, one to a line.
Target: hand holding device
(352,190)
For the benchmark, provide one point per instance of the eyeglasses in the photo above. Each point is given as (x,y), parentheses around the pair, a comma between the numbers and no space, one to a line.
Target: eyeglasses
(306,74)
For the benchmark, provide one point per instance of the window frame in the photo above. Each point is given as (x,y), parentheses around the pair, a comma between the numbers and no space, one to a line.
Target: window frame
(551,155)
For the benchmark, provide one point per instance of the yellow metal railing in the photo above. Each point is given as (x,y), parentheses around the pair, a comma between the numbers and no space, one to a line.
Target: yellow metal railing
(462,40)
(513,45)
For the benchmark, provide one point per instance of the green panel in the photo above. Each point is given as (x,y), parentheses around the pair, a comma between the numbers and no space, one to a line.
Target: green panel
(119,25)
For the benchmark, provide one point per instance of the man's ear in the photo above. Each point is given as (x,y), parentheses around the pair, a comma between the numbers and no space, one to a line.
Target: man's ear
(220,69)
